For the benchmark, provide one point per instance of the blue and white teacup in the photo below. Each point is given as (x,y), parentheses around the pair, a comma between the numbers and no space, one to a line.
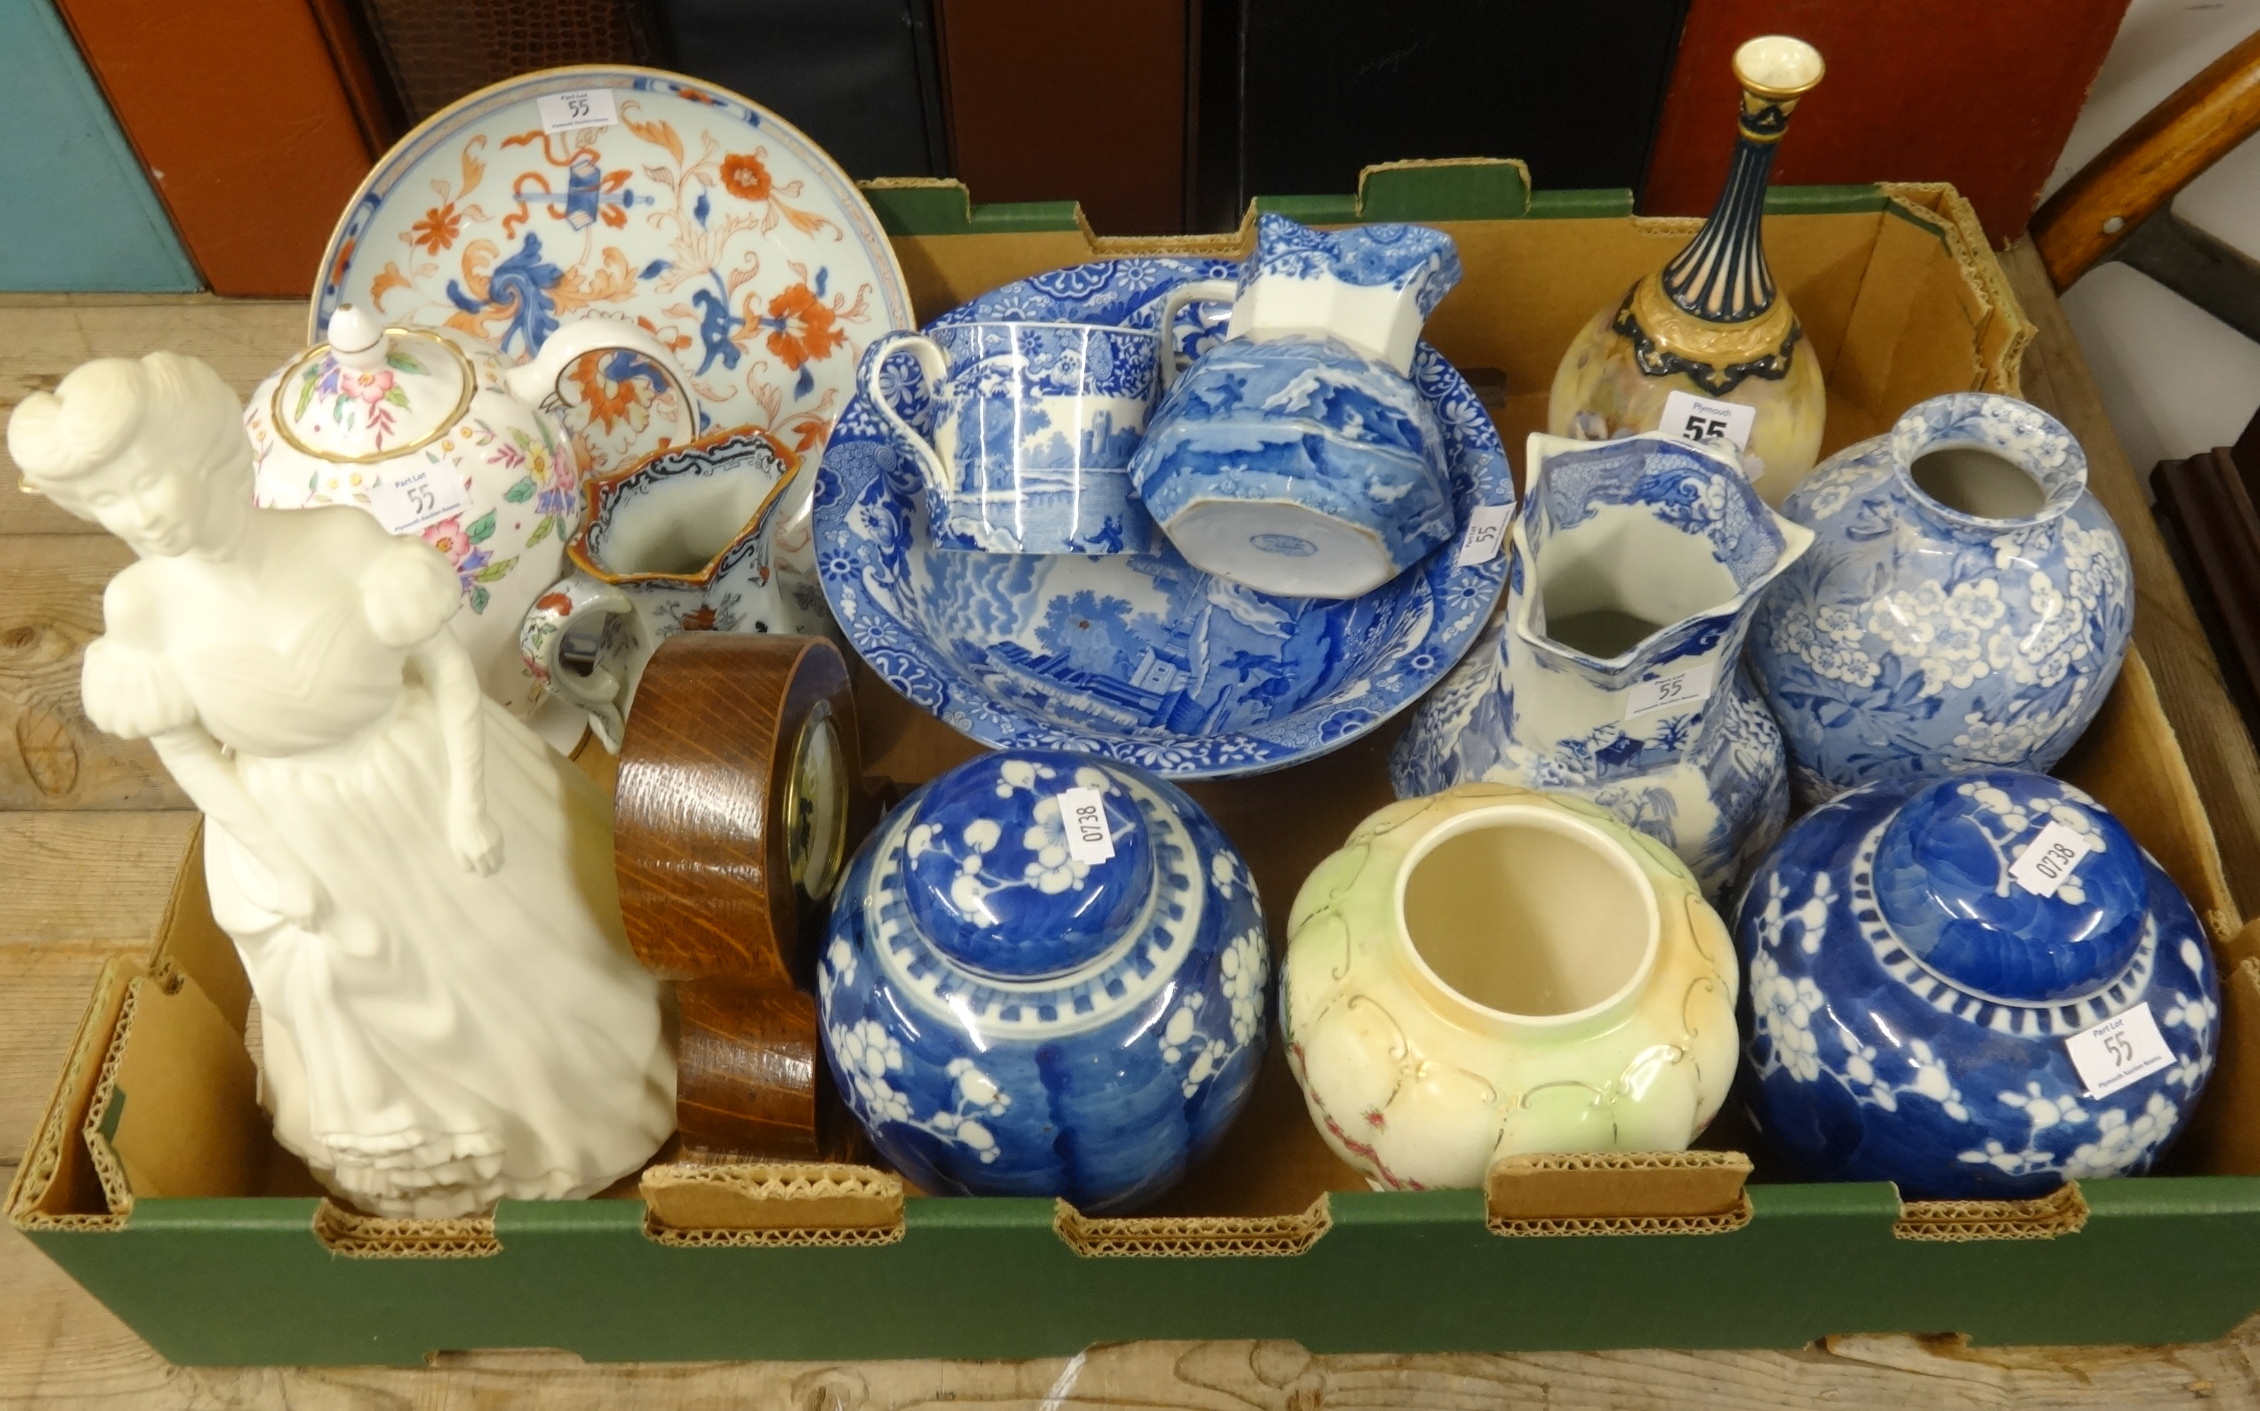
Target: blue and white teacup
(1033,424)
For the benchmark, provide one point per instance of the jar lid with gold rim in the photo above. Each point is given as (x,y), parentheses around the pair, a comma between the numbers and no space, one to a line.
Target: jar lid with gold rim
(372,393)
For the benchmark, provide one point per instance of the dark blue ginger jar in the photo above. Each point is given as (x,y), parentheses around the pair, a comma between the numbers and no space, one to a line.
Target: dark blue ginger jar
(1977,986)
(1012,1012)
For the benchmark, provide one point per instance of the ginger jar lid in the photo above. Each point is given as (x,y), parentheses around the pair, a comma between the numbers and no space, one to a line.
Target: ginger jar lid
(2012,886)
(993,882)
(371,393)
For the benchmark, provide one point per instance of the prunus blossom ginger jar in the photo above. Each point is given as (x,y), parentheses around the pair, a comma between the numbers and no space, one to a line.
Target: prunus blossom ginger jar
(1046,975)
(1977,986)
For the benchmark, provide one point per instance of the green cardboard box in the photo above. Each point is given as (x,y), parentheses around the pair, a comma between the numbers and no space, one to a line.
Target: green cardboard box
(153,1180)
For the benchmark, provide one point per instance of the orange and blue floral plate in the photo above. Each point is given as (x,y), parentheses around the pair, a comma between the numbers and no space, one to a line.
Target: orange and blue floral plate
(695,213)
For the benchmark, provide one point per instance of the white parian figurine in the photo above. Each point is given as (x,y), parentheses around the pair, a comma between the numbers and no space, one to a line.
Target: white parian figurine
(421,891)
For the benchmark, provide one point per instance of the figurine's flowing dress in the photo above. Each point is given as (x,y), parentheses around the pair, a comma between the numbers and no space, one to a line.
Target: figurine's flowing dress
(446,1039)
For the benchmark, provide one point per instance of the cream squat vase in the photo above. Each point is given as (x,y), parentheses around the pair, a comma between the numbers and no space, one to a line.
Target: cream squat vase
(1492,971)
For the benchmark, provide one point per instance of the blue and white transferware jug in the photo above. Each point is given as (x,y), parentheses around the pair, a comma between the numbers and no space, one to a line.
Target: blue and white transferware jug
(1296,457)
(1966,604)
(1978,987)
(1615,672)
(1046,975)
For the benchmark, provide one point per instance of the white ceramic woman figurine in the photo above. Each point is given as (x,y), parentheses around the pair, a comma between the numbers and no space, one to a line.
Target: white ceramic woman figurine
(421,891)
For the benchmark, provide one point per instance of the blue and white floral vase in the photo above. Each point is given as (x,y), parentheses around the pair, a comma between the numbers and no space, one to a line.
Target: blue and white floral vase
(1297,457)
(1966,604)
(1012,1012)
(1977,987)
(1614,674)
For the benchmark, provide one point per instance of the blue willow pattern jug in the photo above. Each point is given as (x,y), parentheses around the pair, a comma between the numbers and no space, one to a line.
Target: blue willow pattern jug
(1297,457)
(1614,674)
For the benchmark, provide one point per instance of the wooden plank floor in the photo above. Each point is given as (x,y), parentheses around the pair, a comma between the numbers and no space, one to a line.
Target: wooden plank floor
(91,832)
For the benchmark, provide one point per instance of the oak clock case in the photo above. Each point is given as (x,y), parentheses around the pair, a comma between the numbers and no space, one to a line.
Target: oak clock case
(739,800)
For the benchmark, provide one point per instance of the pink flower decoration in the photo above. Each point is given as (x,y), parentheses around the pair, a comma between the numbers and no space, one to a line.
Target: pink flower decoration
(448,537)
(371,386)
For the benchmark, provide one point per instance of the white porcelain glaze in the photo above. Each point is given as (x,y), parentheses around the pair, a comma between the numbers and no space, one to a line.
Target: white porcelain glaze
(421,892)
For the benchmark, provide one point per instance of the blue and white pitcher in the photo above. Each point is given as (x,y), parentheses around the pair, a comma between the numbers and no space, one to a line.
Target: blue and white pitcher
(1615,673)
(1296,457)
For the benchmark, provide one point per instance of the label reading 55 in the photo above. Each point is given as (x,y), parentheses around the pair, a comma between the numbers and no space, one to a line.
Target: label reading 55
(1693,418)
(2123,1049)
(1681,690)
(569,112)
(406,503)
(1486,530)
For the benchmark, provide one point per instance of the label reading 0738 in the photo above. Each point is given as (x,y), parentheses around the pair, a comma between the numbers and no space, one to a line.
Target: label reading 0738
(1083,813)
(2048,859)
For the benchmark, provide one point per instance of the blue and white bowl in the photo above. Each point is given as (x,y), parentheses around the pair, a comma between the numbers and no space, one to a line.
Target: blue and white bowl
(1006,1017)
(1913,1009)
(1137,657)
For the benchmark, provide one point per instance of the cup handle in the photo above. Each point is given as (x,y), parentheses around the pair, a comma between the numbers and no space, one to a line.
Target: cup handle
(536,379)
(936,368)
(1183,294)
(603,691)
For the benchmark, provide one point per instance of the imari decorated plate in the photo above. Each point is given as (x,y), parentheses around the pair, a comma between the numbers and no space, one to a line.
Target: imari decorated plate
(1139,657)
(634,194)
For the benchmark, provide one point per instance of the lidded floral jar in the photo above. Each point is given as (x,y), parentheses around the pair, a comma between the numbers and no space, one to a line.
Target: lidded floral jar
(1012,1012)
(1493,971)
(1977,987)
(1965,605)
(437,434)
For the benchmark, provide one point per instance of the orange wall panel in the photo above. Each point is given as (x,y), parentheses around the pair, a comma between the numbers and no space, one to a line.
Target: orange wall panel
(1052,101)
(1981,93)
(237,110)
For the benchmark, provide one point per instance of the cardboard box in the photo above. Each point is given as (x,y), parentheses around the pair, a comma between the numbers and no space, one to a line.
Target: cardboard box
(154,1181)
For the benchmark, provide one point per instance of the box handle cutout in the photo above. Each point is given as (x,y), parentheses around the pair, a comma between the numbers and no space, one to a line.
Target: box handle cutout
(1617,1193)
(772,1204)
(2061,1212)
(1191,1237)
(352,1235)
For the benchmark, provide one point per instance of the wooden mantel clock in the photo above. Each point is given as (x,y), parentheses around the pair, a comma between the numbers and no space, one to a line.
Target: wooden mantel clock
(738,805)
